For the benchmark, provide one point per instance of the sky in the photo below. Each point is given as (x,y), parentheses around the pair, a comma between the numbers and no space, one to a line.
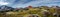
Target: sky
(25,3)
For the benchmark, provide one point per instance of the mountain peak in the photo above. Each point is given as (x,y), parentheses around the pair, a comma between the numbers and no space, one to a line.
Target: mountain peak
(4,7)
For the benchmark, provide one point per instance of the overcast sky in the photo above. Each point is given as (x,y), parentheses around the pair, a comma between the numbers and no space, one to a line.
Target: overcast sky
(25,3)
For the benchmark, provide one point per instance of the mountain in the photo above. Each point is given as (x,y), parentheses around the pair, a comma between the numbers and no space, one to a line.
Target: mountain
(4,8)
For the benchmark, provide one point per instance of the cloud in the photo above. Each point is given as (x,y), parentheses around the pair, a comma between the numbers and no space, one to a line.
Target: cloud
(3,3)
(41,2)
(25,3)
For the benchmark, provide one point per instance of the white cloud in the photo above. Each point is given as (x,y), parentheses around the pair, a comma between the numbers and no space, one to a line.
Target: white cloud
(3,3)
(34,3)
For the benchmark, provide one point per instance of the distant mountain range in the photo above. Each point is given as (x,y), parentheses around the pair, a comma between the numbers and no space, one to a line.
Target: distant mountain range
(4,7)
